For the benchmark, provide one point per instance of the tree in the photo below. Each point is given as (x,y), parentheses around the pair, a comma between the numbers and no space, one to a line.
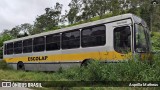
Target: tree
(75,7)
(5,37)
(155,17)
(15,31)
(100,7)
(48,20)
(87,11)
(27,28)
(63,18)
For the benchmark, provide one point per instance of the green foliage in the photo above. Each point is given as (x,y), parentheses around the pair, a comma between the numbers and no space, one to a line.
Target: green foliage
(48,20)
(127,71)
(27,28)
(4,65)
(3,38)
(155,41)
(74,10)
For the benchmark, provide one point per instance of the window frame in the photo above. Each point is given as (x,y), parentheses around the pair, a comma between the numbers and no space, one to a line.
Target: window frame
(28,46)
(53,42)
(90,27)
(71,31)
(146,34)
(16,48)
(34,50)
(10,48)
(130,49)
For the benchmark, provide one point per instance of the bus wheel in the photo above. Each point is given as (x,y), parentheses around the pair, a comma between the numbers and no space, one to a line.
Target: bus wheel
(86,62)
(20,66)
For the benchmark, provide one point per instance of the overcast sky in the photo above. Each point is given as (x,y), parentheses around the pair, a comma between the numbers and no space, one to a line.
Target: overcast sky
(16,12)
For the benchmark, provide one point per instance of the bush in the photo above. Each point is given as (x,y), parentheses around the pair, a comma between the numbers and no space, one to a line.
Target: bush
(155,41)
(127,71)
(3,65)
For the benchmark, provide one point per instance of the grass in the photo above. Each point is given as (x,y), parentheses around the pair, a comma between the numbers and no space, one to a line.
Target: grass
(14,75)
(3,65)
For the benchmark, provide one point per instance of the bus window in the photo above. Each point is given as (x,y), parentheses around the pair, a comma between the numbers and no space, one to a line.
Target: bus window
(122,39)
(94,36)
(53,42)
(141,39)
(27,46)
(71,39)
(39,44)
(17,47)
(9,48)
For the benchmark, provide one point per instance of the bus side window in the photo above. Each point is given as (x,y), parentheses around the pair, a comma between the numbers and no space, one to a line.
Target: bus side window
(39,44)
(53,42)
(122,39)
(94,36)
(71,39)
(17,47)
(27,46)
(9,48)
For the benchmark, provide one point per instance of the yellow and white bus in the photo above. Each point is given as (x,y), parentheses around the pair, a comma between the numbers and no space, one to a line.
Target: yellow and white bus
(112,39)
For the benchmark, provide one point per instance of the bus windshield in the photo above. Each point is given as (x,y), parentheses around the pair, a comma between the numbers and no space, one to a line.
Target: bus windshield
(142,39)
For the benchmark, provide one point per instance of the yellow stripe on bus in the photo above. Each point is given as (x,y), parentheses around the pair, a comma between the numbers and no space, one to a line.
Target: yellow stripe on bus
(73,57)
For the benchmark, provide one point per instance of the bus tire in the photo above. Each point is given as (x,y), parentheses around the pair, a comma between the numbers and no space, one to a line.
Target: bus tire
(86,62)
(20,66)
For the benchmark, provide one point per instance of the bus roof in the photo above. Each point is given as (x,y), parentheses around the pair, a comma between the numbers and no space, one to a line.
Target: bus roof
(102,21)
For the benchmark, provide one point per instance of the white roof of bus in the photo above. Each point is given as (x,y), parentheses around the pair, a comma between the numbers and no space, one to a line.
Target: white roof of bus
(110,19)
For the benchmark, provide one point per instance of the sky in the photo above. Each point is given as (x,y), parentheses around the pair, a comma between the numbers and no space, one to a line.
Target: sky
(17,12)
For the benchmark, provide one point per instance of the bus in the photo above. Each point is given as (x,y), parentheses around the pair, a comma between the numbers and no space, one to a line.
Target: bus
(114,39)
